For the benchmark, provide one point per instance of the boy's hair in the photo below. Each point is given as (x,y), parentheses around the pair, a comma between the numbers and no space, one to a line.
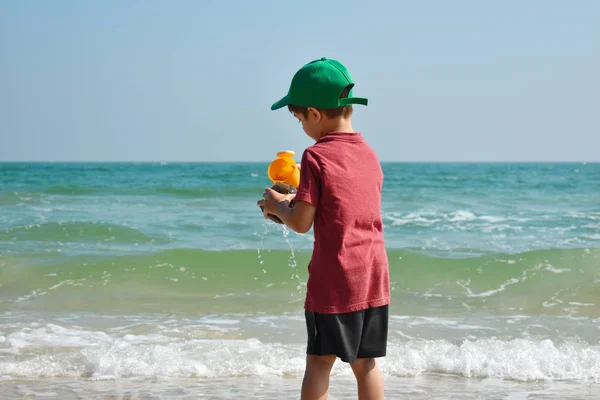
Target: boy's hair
(344,111)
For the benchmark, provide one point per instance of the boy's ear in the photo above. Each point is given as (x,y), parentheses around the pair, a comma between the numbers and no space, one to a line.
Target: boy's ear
(316,114)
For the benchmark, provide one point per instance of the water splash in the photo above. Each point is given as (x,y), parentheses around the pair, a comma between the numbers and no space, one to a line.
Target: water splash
(292,263)
(261,237)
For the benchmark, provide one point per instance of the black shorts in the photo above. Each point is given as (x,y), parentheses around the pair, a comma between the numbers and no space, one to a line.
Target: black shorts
(358,334)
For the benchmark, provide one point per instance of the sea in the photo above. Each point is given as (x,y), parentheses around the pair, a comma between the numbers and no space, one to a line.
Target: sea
(164,281)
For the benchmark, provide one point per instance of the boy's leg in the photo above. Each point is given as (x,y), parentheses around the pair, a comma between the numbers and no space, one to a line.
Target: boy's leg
(315,384)
(368,378)
(373,345)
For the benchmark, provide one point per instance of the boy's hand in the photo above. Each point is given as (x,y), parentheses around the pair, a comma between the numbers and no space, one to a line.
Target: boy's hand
(272,200)
(299,218)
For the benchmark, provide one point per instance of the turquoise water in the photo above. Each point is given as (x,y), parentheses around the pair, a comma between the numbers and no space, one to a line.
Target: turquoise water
(160,273)
(442,209)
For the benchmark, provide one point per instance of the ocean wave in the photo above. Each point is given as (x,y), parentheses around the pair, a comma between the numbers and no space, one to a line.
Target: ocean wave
(20,198)
(549,282)
(74,231)
(198,191)
(54,351)
(463,217)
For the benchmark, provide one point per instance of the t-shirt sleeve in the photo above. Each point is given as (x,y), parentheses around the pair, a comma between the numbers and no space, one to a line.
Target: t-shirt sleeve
(309,189)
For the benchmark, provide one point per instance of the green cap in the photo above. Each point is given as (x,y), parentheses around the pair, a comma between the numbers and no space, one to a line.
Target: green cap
(319,84)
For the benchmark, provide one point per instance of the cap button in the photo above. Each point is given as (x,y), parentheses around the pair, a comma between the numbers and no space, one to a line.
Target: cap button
(323,58)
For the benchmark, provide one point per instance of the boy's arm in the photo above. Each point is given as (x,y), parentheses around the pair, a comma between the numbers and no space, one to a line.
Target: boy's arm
(299,218)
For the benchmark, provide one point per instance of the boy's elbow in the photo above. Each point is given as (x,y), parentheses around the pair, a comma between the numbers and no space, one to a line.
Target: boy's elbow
(301,227)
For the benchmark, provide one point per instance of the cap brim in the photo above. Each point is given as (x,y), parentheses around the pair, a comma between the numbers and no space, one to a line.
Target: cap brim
(354,100)
(281,103)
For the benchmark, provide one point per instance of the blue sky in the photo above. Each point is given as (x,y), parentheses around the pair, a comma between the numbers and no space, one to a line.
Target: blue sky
(193,80)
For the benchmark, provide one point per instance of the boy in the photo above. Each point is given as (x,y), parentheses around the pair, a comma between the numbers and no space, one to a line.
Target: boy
(346,306)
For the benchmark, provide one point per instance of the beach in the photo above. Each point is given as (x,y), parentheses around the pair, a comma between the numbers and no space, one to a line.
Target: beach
(163,280)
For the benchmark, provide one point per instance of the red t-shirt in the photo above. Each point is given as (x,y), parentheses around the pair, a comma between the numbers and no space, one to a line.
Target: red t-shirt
(341,176)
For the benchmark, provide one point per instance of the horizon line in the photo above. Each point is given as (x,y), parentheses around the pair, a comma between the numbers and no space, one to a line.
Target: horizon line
(267,161)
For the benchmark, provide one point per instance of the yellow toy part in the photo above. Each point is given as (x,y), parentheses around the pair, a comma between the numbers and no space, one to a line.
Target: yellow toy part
(284,169)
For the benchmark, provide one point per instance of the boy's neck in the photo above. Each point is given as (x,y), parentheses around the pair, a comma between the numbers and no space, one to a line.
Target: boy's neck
(338,125)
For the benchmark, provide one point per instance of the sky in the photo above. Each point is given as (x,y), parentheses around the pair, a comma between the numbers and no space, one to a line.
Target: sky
(116,80)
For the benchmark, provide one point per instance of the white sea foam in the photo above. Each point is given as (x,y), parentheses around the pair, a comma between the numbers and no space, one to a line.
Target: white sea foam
(487,293)
(56,351)
(460,215)
(455,218)
(520,359)
(550,268)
